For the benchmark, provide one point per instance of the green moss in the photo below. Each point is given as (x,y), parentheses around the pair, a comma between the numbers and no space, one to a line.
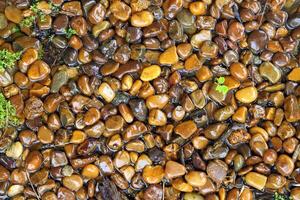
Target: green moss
(8,59)
(220,87)
(278,196)
(27,22)
(7,113)
(69,32)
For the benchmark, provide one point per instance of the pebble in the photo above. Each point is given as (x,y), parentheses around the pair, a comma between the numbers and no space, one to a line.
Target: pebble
(236,31)
(150,73)
(157,118)
(157,101)
(73,182)
(270,72)
(96,13)
(90,171)
(291,109)
(33,161)
(77,137)
(3,21)
(247,95)
(14,190)
(217,170)
(294,75)
(256,180)
(257,40)
(153,174)
(13,14)
(200,37)
(153,192)
(284,165)
(142,19)
(198,8)
(15,150)
(186,129)
(106,92)
(196,178)
(38,71)
(142,162)
(139,109)
(182,186)
(174,169)
(169,56)
(4,174)
(120,10)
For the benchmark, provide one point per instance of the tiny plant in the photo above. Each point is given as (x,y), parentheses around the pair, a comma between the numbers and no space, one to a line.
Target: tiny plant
(15,29)
(8,59)
(278,196)
(7,113)
(34,8)
(69,32)
(28,22)
(54,8)
(41,52)
(220,87)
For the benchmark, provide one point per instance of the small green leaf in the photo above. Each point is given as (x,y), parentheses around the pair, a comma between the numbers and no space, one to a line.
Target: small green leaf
(69,32)
(221,80)
(54,8)
(278,196)
(8,59)
(220,87)
(7,113)
(27,22)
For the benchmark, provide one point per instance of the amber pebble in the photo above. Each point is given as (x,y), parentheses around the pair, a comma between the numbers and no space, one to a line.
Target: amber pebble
(256,180)
(73,182)
(142,19)
(13,14)
(236,31)
(150,73)
(192,63)
(4,174)
(38,71)
(106,92)
(198,8)
(91,116)
(77,137)
(96,13)
(284,165)
(182,186)
(294,75)
(45,135)
(169,56)
(33,161)
(204,74)
(153,174)
(90,171)
(120,10)
(186,129)
(196,178)
(238,71)
(174,169)
(247,95)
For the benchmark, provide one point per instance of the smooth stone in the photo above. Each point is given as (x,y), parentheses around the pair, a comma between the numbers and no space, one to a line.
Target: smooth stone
(270,72)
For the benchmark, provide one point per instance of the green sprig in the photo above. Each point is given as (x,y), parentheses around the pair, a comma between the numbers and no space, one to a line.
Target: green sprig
(220,87)
(8,59)
(38,12)
(7,113)
(278,196)
(54,8)
(69,32)
(27,22)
